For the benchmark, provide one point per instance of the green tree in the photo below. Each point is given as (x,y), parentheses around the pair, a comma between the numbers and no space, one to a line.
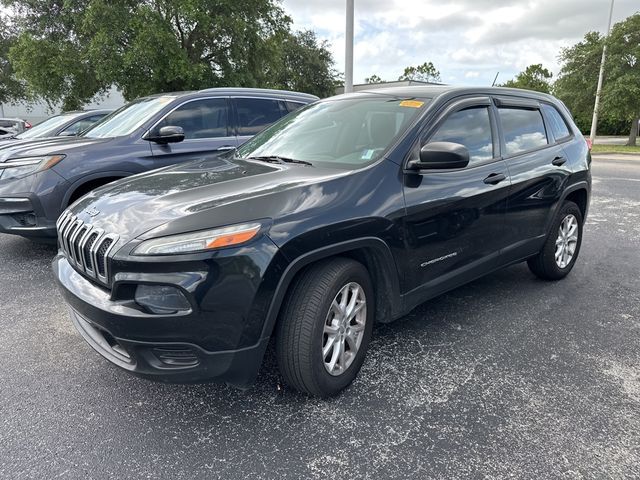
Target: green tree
(535,77)
(426,72)
(578,77)
(373,79)
(303,64)
(621,92)
(70,50)
(10,88)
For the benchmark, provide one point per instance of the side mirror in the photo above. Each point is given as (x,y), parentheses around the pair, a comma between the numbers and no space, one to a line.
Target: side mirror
(168,134)
(441,156)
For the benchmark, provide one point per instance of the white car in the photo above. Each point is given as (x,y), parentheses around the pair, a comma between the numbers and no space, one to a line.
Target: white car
(9,127)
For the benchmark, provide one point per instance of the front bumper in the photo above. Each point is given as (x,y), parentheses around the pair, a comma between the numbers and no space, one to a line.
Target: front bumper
(216,340)
(172,362)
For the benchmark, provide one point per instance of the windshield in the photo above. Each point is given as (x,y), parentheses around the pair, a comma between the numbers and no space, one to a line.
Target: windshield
(346,133)
(127,119)
(43,128)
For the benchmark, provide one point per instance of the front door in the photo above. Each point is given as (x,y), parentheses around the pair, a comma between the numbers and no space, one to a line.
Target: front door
(454,225)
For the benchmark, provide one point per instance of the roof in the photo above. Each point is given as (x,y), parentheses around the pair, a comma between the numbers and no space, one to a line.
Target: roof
(432,91)
(265,91)
(239,91)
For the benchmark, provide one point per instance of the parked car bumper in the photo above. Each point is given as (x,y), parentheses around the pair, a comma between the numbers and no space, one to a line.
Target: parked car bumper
(29,205)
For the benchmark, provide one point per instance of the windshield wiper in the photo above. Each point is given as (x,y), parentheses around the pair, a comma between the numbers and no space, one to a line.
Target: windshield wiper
(278,159)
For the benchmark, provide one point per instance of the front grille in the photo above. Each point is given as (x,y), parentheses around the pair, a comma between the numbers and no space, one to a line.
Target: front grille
(86,248)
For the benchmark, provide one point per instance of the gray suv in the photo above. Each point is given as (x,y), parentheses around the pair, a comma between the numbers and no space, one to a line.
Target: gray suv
(39,180)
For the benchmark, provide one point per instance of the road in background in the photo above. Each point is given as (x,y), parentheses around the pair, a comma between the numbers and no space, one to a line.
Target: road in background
(508,376)
(604,140)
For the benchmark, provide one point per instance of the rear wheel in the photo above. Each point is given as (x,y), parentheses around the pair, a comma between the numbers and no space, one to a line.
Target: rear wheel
(325,327)
(560,251)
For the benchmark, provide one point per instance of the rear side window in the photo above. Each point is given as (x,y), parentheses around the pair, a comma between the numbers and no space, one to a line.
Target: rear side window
(471,128)
(206,118)
(556,122)
(81,125)
(293,106)
(523,129)
(255,114)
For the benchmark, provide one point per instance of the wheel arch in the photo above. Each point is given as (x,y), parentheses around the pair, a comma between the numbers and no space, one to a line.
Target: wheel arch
(580,197)
(372,252)
(97,179)
(576,191)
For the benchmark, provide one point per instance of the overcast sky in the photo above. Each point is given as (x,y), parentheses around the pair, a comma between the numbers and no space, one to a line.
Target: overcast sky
(467,40)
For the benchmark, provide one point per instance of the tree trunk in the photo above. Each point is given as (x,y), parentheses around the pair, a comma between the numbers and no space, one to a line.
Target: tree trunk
(633,133)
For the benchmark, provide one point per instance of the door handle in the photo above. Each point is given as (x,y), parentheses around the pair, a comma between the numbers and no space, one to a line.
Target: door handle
(224,148)
(494,178)
(559,161)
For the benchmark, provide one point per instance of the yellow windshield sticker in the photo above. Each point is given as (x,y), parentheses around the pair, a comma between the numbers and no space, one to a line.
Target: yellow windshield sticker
(411,103)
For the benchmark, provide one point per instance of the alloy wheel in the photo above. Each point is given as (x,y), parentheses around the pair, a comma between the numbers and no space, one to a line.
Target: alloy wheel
(344,328)
(567,241)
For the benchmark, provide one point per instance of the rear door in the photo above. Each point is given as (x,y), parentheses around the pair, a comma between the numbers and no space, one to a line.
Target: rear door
(255,114)
(454,227)
(207,127)
(536,164)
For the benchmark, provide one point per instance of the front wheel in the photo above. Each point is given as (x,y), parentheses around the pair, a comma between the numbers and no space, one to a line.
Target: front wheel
(325,327)
(560,251)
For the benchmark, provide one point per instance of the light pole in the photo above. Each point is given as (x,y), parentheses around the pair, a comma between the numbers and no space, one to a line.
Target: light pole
(594,120)
(348,57)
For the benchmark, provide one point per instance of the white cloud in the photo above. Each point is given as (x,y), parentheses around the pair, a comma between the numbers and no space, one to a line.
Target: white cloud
(469,41)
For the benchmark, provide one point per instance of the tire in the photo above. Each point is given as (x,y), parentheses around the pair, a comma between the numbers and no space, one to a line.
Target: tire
(301,331)
(545,265)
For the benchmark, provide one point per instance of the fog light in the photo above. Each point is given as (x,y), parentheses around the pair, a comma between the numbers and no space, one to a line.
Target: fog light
(161,299)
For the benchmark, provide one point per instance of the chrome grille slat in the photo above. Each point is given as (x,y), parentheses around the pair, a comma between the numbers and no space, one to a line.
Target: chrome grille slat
(64,226)
(72,242)
(86,248)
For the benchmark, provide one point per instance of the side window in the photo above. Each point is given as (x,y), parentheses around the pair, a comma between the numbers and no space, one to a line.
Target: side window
(523,129)
(206,118)
(556,122)
(80,125)
(472,128)
(255,114)
(293,106)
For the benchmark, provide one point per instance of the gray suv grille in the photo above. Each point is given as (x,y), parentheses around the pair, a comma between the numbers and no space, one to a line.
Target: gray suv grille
(86,248)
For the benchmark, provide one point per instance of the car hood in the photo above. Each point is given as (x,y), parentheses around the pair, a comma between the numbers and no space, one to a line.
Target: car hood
(46,146)
(201,194)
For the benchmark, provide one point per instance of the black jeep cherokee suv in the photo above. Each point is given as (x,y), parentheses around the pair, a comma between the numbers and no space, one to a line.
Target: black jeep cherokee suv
(350,211)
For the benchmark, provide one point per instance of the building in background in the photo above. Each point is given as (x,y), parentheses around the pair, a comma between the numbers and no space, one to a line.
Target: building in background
(36,112)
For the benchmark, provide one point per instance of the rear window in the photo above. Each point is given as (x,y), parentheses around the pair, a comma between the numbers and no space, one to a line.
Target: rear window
(293,106)
(523,129)
(556,122)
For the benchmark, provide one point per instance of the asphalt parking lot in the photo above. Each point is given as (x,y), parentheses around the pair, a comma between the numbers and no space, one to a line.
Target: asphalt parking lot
(506,377)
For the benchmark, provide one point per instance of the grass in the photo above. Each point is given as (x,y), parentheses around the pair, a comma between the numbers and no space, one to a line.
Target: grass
(615,149)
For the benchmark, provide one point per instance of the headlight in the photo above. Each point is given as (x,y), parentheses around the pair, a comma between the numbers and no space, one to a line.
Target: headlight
(199,241)
(17,167)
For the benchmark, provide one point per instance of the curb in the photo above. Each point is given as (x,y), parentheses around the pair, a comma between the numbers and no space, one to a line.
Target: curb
(634,157)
